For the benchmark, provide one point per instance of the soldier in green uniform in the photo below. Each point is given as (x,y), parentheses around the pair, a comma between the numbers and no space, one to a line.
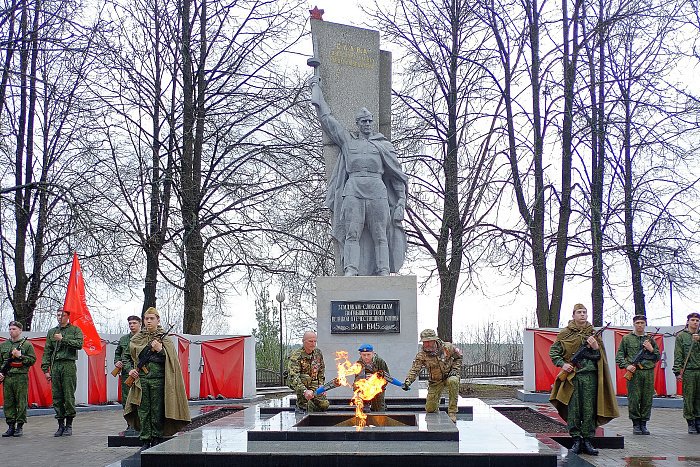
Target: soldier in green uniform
(58,365)
(157,402)
(444,363)
(686,367)
(122,357)
(372,363)
(19,353)
(307,373)
(577,398)
(639,346)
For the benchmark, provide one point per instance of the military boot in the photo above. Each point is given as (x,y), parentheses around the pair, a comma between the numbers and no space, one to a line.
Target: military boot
(691,427)
(588,448)
(636,429)
(18,431)
(61,428)
(697,426)
(10,430)
(576,447)
(69,427)
(643,426)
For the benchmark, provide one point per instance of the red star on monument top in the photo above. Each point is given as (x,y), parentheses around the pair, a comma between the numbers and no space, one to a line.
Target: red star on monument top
(317,13)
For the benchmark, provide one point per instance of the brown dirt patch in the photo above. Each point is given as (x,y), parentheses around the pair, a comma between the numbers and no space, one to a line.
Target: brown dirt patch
(487,391)
(532,421)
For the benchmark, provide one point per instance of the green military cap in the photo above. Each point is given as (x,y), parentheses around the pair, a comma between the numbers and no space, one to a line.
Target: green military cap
(639,318)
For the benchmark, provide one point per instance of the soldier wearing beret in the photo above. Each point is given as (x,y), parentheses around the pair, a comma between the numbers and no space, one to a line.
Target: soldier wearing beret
(444,362)
(638,354)
(686,367)
(372,363)
(16,356)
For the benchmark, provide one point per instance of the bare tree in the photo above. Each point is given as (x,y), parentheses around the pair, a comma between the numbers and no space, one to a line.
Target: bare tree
(452,164)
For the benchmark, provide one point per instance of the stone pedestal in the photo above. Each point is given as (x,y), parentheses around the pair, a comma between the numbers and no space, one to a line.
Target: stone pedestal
(397,348)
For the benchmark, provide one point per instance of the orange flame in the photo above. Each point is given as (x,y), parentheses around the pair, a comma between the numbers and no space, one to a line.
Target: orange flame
(365,389)
(345,367)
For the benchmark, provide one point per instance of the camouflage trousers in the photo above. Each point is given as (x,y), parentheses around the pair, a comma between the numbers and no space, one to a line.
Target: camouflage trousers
(640,392)
(691,394)
(317,404)
(378,403)
(581,418)
(125,388)
(14,392)
(63,382)
(152,407)
(432,402)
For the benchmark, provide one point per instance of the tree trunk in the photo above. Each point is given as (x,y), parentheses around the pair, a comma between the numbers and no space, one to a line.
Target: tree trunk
(193,131)
(451,230)
(562,237)
(23,175)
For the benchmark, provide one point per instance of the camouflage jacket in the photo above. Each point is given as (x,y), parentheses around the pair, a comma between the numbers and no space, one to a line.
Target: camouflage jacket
(65,349)
(683,343)
(306,371)
(22,364)
(121,353)
(629,348)
(370,368)
(447,362)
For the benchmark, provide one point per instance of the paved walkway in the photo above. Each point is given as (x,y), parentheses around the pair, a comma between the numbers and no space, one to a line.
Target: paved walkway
(669,444)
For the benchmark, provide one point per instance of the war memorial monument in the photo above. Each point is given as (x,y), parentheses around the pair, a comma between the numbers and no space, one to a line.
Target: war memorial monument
(368,301)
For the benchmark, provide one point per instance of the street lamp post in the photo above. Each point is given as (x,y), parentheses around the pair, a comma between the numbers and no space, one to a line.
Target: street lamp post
(280,298)
(670,287)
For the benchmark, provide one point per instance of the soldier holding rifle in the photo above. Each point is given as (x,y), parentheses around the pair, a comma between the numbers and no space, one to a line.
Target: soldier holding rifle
(576,396)
(686,367)
(58,365)
(16,356)
(638,354)
(157,401)
(122,358)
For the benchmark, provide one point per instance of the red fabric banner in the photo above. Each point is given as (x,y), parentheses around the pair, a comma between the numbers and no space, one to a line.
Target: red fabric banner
(39,388)
(97,379)
(223,368)
(79,313)
(659,377)
(545,370)
(183,355)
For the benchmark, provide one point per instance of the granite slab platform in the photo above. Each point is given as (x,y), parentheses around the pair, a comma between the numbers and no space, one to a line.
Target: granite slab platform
(485,438)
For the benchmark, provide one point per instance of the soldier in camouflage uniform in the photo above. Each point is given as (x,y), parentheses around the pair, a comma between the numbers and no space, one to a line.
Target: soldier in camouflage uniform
(58,365)
(20,355)
(640,389)
(444,362)
(122,357)
(686,367)
(307,373)
(372,363)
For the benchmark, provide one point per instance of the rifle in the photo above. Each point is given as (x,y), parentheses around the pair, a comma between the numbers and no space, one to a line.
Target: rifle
(578,355)
(643,354)
(8,364)
(146,355)
(115,372)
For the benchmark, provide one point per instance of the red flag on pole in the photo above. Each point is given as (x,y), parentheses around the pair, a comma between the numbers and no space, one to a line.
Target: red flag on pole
(79,313)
